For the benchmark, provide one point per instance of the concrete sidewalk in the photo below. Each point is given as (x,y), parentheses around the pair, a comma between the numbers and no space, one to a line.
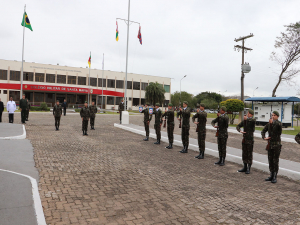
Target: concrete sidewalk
(287,168)
(12,131)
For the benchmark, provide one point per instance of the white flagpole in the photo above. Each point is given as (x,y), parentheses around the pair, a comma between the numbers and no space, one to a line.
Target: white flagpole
(102,81)
(21,92)
(89,79)
(127,56)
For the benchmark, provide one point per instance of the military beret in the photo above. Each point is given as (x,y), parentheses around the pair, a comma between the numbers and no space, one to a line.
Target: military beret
(85,102)
(170,104)
(157,104)
(147,103)
(202,105)
(251,111)
(276,113)
(185,102)
(223,108)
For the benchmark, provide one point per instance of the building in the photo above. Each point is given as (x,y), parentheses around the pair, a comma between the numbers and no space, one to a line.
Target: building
(47,83)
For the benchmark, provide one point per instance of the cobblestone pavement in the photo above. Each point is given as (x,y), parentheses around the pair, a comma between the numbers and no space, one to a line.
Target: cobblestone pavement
(113,177)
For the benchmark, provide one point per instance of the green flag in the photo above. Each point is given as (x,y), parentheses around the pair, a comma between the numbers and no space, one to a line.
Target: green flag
(26,22)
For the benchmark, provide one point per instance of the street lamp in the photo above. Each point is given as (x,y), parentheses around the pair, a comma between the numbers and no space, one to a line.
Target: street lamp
(180,90)
(254,90)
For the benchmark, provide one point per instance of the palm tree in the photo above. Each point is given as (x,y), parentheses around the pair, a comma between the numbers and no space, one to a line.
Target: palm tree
(155,93)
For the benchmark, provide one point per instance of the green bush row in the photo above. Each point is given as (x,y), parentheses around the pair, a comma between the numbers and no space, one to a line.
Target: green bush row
(39,108)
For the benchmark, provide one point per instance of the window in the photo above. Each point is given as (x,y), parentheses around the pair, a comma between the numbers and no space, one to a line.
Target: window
(61,79)
(15,75)
(5,92)
(71,98)
(136,85)
(167,88)
(129,84)
(110,100)
(28,76)
(143,101)
(256,113)
(93,81)
(110,83)
(38,97)
(100,82)
(256,108)
(50,78)
(118,100)
(120,84)
(3,74)
(50,98)
(81,80)
(100,100)
(135,101)
(71,79)
(144,85)
(39,77)
(166,102)
(0,91)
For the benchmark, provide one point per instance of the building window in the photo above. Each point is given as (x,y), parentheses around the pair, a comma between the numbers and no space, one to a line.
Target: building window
(135,101)
(100,82)
(38,97)
(15,75)
(15,95)
(167,88)
(71,79)
(256,108)
(93,81)
(61,79)
(50,78)
(136,85)
(120,84)
(111,83)
(71,98)
(143,101)
(118,100)
(110,100)
(28,76)
(129,84)
(39,77)
(3,74)
(144,85)
(0,91)
(166,103)
(81,80)
(5,92)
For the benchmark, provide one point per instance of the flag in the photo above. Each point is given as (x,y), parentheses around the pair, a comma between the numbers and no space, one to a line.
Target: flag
(140,35)
(117,32)
(26,22)
(90,60)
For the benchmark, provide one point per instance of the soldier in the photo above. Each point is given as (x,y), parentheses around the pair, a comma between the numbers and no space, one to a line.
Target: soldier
(27,110)
(85,116)
(23,107)
(93,112)
(247,144)
(185,128)
(201,116)
(65,105)
(222,134)
(57,112)
(121,108)
(170,128)
(274,128)
(157,123)
(147,119)
(297,138)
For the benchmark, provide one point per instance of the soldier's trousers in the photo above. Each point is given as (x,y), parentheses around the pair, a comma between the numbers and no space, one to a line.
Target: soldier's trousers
(170,130)
(201,140)
(247,154)
(27,114)
(23,115)
(92,121)
(57,121)
(120,116)
(185,133)
(222,142)
(146,128)
(157,131)
(273,157)
(85,124)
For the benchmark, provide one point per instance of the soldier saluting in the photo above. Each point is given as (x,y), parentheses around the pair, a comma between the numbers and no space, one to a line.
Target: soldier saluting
(247,144)
(222,135)
(170,124)
(85,116)
(93,111)
(57,112)
(147,119)
(274,128)
(185,128)
(157,124)
(201,116)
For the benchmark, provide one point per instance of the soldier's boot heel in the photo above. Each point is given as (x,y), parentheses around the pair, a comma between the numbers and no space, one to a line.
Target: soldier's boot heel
(146,139)
(83,133)
(201,155)
(157,142)
(197,157)
(217,163)
(171,146)
(248,169)
(168,147)
(185,150)
(244,168)
(182,149)
(274,180)
(222,162)
(270,178)
(86,133)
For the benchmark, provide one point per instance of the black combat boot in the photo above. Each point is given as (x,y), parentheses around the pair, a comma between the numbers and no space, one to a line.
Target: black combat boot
(56,128)
(168,147)
(222,162)
(197,157)
(83,132)
(171,146)
(218,163)
(185,150)
(86,133)
(146,139)
(244,169)
(93,128)
(157,142)
(248,169)
(182,149)
(270,178)
(274,180)
(201,155)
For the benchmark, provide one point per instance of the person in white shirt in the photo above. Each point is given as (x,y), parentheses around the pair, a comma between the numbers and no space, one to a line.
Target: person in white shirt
(11,107)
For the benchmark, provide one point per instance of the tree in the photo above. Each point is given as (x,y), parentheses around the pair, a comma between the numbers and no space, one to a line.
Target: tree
(155,93)
(175,97)
(210,103)
(233,106)
(208,95)
(289,44)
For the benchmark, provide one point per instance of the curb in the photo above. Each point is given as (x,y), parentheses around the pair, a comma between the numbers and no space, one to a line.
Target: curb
(22,136)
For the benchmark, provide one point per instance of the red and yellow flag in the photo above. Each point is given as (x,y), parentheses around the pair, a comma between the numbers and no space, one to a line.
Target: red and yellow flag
(90,60)
(117,32)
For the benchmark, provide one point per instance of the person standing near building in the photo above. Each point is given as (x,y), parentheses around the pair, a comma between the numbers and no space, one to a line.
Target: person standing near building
(222,134)
(27,110)
(11,108)
(85,116)
(121,109)
(65,105)
(185,128)
(201,116)
(169,116)
(1,109)
(23,108)
(93,112)
(248,141)
(274,128)
(57,112)
(157,123)
(147,119)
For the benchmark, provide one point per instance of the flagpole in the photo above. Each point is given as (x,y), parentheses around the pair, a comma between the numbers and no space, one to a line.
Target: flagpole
(127,55)
(89,78)
(21,92)
(102,81)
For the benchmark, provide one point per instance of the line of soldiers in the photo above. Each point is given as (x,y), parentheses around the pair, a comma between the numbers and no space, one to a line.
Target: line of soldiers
(274,129)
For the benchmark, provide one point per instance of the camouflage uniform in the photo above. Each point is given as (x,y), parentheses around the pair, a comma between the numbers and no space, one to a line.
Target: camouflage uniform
(170,124)
(248,140)
(201,118)
(222,121)
(85,114)
(121,108)
(185,128)
(147,117)
(57,112)
(93,111)
(297,138)
(157,123)
(23,106)
(274,131)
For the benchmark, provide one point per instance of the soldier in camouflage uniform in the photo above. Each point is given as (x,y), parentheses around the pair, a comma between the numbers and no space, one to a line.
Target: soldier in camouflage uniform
(57,112)
(85,115)
(247,144)
(23,108)
(121,109)
(147,119)
(157,124)
(93,112)
(297,138)
(185,128)
(274,128)
(169,115)
(222,121)
(201,116)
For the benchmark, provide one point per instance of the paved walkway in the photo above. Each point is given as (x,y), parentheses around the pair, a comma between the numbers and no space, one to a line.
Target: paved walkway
(12,131)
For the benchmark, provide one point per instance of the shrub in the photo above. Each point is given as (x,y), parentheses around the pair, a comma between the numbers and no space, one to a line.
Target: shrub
(44,106)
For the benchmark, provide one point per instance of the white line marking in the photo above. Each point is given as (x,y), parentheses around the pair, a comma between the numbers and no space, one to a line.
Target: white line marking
(22,136)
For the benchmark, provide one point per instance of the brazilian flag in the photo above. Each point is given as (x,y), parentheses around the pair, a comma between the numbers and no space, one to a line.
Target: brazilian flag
(26,22)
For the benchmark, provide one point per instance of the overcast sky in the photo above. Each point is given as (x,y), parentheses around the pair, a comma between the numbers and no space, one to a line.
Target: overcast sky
(187,37)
